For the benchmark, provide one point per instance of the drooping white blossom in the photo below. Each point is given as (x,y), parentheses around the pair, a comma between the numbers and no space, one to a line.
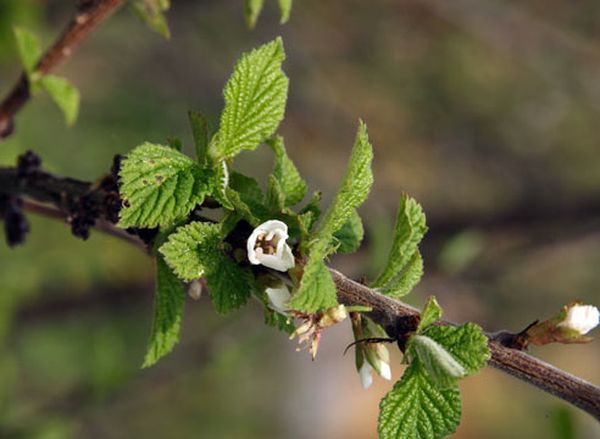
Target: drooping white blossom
(267,246)
(581,318)
(366,379)
(278,298)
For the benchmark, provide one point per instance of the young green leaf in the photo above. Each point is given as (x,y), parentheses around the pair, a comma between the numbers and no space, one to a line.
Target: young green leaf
(159,185)
(275,199)
(252,9)
(408,232)
(406,279)
(307,217)
(229,286)
(285,7)
(432,312)
(317,289)
(466,343)
(292,184)
(151,12)
(442,367)
(348,238)
(255,97)
(355,187)
(64,95)
(200,134)
(417,409)
(28,47)
(194,251)
(189,251)
(356,183)
(168,309)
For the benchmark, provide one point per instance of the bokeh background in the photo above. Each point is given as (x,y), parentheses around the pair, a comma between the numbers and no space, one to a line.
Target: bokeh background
(486,111)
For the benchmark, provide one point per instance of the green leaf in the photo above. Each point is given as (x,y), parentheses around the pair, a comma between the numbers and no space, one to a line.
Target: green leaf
(354,190)
(317,289)
(417,409)
(200,133)
(275,199)
(285,7)
(292,184)
(348,238)
(159,185)
(247,198)
(64,94)
(168,310)
(29,49)
(408,232)
(151,12)
(229,286)
(194,251)
(255,97)
(406,279)
(252,9)
(432,312)
(355,187)
(307,217)
(188,251)
(441,366)
(467,344)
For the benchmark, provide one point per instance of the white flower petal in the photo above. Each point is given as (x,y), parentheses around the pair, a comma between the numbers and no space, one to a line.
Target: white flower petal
(385,371)
(366,379)
(278,298)
(283,259)
(581,318)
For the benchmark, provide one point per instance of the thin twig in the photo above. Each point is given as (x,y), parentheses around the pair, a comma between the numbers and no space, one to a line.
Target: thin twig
(391,314)
(88,15)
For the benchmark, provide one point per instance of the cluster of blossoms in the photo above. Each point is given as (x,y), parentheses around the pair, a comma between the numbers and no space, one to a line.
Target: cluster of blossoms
(267,246)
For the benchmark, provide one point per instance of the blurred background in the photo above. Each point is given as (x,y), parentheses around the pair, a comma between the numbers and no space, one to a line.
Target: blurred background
(486,111)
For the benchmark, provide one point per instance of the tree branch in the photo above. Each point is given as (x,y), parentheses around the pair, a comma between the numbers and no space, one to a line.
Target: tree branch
(88,15)
(391,313)
(395,317)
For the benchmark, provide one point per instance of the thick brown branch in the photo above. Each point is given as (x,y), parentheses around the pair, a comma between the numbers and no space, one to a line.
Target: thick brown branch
(88,15)
(392,314)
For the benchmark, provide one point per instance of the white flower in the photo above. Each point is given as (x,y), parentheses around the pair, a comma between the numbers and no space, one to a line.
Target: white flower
(581,318)
(278,298)
(378,355)
(266,245)
(366,379)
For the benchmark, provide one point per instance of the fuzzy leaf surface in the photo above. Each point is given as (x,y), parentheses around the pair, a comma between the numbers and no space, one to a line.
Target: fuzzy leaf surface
(354,190)
(194,251)
(441,366)
(168,310)
(255,98)
(159,184)
(409,230)
(286,173)
(417,409)
(348,238)
(466,343)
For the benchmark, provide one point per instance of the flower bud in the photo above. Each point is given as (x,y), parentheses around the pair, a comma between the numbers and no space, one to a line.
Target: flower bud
(581,318)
